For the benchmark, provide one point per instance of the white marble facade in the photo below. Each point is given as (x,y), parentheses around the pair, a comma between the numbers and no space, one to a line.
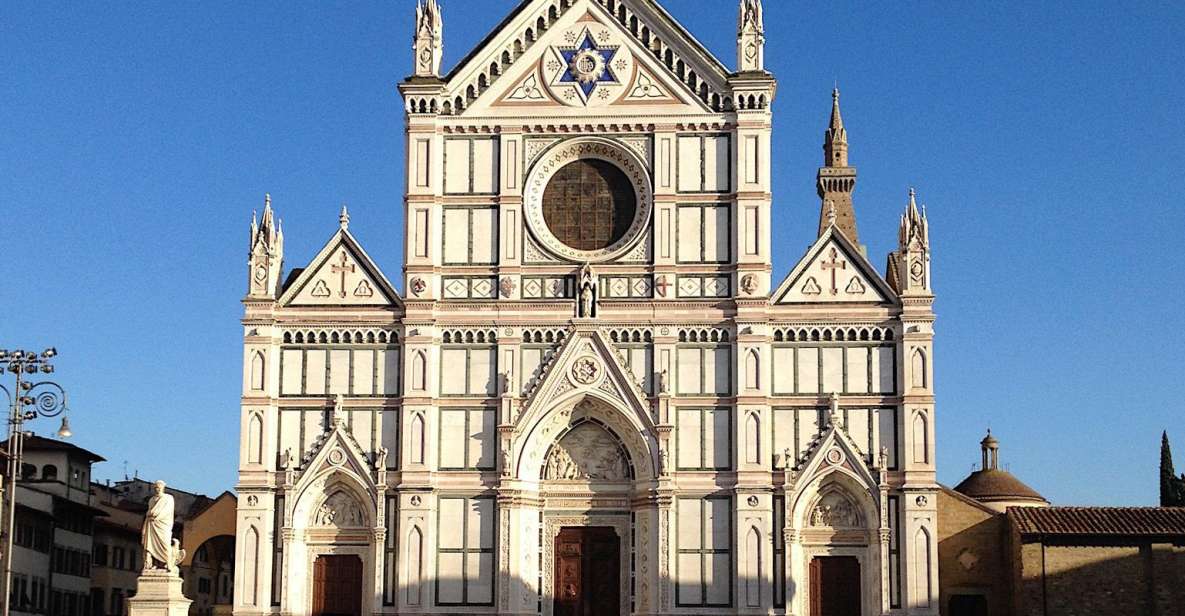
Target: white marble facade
(642,372)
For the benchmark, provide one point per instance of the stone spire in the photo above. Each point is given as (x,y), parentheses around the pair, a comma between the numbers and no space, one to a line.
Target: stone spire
(836,180)
(835,141)
(750,37)
(266,254)
(429,41)
(343,219)
(912,258)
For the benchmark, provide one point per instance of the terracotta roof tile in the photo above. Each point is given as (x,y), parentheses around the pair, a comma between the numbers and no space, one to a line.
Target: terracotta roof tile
(994,484)
(1109,521)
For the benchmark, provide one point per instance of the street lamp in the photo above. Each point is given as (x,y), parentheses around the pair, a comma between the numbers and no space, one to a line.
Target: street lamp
(27,400)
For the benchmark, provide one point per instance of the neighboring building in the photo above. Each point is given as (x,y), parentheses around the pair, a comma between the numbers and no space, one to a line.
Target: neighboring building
(53,530)
(208,538)
(1031,559)
(594,397)
(118,554)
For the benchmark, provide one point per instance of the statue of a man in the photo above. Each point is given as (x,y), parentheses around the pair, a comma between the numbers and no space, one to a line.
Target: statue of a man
(158,531)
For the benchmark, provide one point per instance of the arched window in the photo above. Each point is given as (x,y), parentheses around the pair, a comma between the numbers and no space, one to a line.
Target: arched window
(918,368)
(921,439)
(752,439)
(49,472)
(752,370)
(419,372)
(255,440)
(257,374)
(922,588)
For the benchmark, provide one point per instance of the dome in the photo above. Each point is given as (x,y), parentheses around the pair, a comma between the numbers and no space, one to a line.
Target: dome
(994,485)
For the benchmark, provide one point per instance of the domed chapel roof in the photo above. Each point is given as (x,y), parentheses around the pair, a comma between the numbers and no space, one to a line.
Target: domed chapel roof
(990,483)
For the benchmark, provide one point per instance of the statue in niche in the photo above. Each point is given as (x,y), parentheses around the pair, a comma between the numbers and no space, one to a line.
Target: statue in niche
(835,511)
(587,293)
(587,453)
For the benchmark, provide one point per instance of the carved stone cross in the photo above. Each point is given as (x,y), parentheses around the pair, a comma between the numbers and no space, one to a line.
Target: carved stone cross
(346,268)
(834,265)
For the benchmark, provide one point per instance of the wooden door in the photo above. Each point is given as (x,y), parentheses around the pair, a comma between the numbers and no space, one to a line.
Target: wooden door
(337,586)
(835,586)
(587,572)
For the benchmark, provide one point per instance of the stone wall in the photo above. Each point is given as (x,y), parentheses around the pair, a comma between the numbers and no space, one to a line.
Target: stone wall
(1145,579)
(972,557)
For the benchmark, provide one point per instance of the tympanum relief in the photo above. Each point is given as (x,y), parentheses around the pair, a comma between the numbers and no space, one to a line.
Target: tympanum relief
(587,452)
(834,510)
(339,511)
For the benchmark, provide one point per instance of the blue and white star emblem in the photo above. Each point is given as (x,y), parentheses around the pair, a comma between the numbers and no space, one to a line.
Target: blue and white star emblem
(587,64)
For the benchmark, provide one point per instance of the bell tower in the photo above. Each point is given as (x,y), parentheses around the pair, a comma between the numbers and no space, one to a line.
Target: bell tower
(836,180)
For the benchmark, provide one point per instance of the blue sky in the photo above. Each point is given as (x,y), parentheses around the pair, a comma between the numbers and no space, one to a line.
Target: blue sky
(1048,142)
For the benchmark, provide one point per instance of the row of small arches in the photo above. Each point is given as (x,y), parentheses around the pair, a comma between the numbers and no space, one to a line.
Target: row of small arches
(469,336)
(340,337)
(704,335)
(543,336)
(631,335)
(830,334)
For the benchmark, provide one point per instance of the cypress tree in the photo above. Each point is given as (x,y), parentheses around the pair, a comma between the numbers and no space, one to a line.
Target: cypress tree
(1169,488)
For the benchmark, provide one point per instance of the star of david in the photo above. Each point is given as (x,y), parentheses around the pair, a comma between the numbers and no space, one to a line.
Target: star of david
(587,64)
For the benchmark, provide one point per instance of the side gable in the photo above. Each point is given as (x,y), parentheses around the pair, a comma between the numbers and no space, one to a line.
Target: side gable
(834,271)
(660,62)
(341,274)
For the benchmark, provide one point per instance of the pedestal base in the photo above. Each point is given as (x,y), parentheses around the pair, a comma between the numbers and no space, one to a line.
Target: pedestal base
(158,594)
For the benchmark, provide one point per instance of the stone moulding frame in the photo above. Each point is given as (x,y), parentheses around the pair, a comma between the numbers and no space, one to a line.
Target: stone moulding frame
(585,148)
(553,522)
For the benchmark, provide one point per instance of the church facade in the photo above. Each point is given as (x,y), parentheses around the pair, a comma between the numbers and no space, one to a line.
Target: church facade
(592,396)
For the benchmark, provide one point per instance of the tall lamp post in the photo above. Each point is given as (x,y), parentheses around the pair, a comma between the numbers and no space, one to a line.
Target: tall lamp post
(27,400)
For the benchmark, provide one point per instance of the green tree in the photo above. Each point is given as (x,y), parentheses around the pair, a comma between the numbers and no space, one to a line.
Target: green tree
(1170,486)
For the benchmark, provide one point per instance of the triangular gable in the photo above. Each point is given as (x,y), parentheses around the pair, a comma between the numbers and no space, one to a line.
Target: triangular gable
(834,452)
(588,362)
(834,271)
(342,274)
(337,451)
(505,71)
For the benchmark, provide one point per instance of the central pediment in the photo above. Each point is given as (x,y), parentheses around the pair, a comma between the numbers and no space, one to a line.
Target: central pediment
(587,55)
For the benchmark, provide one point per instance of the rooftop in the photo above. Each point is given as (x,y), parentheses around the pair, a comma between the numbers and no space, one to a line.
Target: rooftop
(1099,521)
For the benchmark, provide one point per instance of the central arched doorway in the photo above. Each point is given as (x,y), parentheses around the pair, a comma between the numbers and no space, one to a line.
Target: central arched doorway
(591,467)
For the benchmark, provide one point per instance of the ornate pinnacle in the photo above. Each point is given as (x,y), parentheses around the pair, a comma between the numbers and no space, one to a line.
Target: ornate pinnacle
(344,218)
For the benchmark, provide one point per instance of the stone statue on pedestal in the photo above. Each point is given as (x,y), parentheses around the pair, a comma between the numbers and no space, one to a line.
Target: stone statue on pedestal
(162,552)
(158,590)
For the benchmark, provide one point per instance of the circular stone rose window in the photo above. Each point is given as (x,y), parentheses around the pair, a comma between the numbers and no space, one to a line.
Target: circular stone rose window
(588,200)
(589,204)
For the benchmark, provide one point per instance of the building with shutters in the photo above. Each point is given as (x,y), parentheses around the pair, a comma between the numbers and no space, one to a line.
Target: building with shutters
(593,395)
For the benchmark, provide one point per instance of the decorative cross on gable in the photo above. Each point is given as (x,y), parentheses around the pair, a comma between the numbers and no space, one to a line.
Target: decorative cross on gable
(344,267)
(834,265)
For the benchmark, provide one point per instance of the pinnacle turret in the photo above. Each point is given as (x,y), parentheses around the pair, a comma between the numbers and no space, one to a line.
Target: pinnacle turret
(750,37)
